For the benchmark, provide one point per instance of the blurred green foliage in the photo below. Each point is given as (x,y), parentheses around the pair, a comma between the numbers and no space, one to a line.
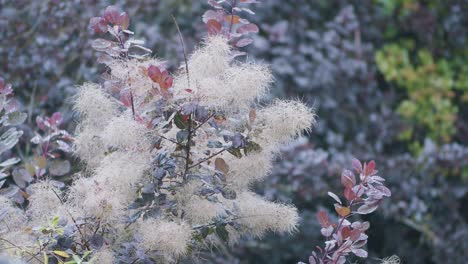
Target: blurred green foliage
(430,85)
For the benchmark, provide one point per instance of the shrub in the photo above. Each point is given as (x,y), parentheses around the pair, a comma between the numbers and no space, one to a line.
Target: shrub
(169,158)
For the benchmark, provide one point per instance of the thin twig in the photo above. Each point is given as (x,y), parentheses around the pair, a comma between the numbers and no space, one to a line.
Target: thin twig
(73,219)
(182,43)
(187,147)
(207,158)
(204,122)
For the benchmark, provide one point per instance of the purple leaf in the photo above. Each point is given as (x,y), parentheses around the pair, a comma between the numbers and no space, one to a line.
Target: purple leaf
(218,15)
(357,165)
(98,25)
(383,190)
(111,14)
(244,42)
(312,260)
(249,28)
(368,208)
(327,231)
(360,253)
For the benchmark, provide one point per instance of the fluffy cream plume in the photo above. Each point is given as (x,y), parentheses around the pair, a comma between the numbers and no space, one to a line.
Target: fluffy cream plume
(112,187)
(44,203)
(212,59)
(201,211)
(23,240)
(89,146)
(125,133)
(248,169)
(94,106)
(13,217)
(95,109)
(169,238)
(283,120)
(258,216)
(104,256)
(219,84)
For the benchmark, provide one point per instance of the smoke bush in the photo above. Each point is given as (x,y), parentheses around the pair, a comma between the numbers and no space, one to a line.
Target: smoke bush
(169,158)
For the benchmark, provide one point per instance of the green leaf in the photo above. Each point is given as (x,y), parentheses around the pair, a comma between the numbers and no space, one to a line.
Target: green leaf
(60,253)
(9,162)
(15,118)
(236,152)
(179,121)
(222,233)
(9,139)
(252,147)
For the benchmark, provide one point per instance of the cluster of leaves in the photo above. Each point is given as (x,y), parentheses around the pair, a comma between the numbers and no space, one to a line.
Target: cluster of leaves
(432,92)
(225,20)
(345,237)
(10,117)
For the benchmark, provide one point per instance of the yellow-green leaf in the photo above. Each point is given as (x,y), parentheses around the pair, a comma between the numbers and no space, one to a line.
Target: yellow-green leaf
(61,253)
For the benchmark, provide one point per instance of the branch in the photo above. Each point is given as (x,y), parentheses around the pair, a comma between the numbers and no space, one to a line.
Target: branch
(205,159)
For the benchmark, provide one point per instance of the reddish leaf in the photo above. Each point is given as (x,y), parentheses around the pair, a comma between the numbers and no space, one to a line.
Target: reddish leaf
(348,179)
(323,219)
(125,98)
(342,210)
(345,232)
(349,194)
(111,14)
(214,27)
(98,25)
(354,234)
(160,77)
(369,168)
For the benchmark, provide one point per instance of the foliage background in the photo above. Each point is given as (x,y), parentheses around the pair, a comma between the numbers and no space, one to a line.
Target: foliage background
(388,80)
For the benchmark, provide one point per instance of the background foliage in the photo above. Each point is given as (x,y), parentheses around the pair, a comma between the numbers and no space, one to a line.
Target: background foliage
(388,80)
